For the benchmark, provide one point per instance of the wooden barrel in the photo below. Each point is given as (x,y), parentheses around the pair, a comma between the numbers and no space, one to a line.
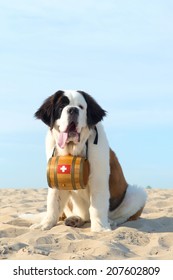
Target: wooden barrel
(67,172)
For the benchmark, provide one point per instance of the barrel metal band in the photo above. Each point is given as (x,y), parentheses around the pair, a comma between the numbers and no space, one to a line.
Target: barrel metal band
(48,173)
(81,174)
(72,174)
(55,173)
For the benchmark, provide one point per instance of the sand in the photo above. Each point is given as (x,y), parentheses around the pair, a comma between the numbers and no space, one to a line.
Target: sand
(150,237)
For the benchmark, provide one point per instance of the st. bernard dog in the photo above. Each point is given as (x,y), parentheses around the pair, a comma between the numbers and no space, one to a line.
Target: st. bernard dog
(75,128)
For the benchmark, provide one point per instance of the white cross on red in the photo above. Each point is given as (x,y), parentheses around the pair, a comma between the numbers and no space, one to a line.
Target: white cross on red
(63,168)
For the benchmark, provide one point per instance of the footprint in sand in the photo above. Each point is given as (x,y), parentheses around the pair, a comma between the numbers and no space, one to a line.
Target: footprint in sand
(49,239)
(133,238)
(166,241)
(12,232)
(20,223)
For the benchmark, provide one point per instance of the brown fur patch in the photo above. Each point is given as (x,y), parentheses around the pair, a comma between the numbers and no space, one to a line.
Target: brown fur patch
(117,182)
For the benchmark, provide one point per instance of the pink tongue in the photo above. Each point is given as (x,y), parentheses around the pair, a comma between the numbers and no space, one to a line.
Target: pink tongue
(62,139)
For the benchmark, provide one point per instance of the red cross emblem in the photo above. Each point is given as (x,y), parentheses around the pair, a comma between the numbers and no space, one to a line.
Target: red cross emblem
(63,169)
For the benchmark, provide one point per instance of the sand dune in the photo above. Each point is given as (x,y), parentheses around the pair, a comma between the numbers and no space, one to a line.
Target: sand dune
(150,237)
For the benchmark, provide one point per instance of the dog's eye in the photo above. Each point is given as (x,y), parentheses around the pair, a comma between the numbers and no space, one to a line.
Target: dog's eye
(61,107)
(80,106)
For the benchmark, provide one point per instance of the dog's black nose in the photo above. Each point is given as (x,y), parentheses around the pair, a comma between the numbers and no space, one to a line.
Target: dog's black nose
(73,111)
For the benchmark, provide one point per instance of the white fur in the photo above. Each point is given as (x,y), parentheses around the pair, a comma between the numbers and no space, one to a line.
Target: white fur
(91,204)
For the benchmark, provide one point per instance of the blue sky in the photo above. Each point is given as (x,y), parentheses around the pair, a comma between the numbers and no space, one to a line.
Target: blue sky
(118,51)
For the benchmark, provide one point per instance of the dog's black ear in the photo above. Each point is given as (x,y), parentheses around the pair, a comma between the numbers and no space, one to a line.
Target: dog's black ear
(95,113)
(46,111)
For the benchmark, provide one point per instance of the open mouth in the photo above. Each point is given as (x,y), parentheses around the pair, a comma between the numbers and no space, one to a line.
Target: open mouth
(70,135)
(71,129)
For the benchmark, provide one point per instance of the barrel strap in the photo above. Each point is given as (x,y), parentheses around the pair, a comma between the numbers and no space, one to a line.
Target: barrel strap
(95,141)
(87,149)
(54,151)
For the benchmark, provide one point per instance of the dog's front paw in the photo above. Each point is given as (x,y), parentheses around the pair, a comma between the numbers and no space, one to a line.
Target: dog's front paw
(96,227)
(44,225)
(100,229)
(48,225)
(35,226)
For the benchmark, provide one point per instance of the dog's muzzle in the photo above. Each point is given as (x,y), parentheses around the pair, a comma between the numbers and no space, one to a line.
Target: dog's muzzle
(73,111)
(70,134)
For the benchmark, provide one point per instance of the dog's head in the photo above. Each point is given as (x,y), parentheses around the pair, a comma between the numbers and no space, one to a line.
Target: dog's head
(69,112)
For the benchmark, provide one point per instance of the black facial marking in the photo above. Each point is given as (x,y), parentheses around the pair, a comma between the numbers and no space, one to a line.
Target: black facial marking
(95,113)
(59,106)
(52,107)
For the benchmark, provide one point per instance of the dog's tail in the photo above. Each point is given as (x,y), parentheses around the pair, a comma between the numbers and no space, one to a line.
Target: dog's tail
(131,206)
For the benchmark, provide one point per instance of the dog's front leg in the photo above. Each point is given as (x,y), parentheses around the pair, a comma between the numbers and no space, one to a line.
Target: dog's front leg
(56,201)
(99,181)
(99,203)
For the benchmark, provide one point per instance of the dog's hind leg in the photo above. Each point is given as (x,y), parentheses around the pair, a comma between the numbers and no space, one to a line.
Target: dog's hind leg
(131,206)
